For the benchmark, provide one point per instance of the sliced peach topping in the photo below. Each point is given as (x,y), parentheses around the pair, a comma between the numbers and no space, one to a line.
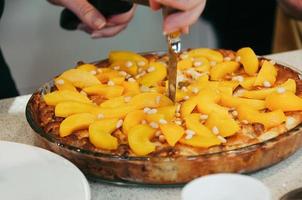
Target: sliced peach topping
(267,75)
(249,60)
(157,72)
(210,54)
(139,139)
(128,56)
(100,134)
(172,132)
(76,122)
(56,97)
(80,78)
(218,71)
(285,101)
(63,84)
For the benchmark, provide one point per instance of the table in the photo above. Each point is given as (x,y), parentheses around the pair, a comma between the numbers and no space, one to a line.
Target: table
(280,178)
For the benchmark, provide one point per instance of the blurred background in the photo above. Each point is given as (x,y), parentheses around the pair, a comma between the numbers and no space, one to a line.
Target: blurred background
(36,48)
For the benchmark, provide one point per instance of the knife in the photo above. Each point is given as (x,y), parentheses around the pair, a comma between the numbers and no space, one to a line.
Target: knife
(174,48)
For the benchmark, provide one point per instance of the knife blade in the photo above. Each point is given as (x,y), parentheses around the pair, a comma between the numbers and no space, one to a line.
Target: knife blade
(174,48)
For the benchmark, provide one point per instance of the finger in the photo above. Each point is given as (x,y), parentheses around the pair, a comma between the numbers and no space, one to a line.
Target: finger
(182,4)
(85,28)
(122,18)
(185,30)
(86,12)
(176,21)
(108,31)
(154,5)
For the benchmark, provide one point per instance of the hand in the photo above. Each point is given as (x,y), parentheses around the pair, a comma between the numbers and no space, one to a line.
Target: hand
(292,8)
(190,10)
(93,22)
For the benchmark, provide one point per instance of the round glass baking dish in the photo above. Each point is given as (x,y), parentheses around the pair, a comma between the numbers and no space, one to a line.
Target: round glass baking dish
(165,171)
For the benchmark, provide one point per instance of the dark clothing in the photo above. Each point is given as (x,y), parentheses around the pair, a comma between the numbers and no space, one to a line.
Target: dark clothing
(7,84)
(240,23)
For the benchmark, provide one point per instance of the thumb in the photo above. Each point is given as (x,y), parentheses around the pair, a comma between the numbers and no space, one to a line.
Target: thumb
(88,14)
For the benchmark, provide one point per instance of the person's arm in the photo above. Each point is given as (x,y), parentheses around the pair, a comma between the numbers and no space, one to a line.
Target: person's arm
(93,22)
(190,13)
(292,7)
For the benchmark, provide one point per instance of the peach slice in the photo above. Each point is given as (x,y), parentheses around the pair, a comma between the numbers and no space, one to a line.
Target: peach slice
(208,102)
(268,119)
(203,136)
(151,100)
(172,132)
(201,142)
(63,84)
(267,74)
(100,134)
(131,88)
(158,74)
(139,139)
(248,82)
(188,106)
(167,111)
(201,64)
(225,125)
(119,112)
(56,97)
(65,109)
(104,90)
(128,56)
(76,122)
(118,80)
(221,69)
(184,64)
(286,101)
(87,68)
(127,66)
(80,78)
(107,74)
(234,102)
(289,85)
(132,119)
(249,60)
(210,54)
(114,102)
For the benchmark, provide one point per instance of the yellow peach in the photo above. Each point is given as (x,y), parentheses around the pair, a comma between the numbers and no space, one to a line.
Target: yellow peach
(172,132)
(104,90)
(184,64)
(63,84)
(100,134)
(132,119)
(223,124)
(249,60)
(248,82)
(128,56)
(267,74)
(56,97)
(75,122)
(151,100)
(210,54)
(130,88)
(87,68)
(268,119)
(158,74)
(80,78)
(286,101)
(289,85)
(221,69)
(139,139)
(234,102)
(65,109)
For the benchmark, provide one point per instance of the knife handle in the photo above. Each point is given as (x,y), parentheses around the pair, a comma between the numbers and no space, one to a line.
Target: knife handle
(70,21)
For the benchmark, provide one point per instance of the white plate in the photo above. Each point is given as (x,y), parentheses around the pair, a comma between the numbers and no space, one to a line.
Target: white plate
(226,187)
(32,173)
